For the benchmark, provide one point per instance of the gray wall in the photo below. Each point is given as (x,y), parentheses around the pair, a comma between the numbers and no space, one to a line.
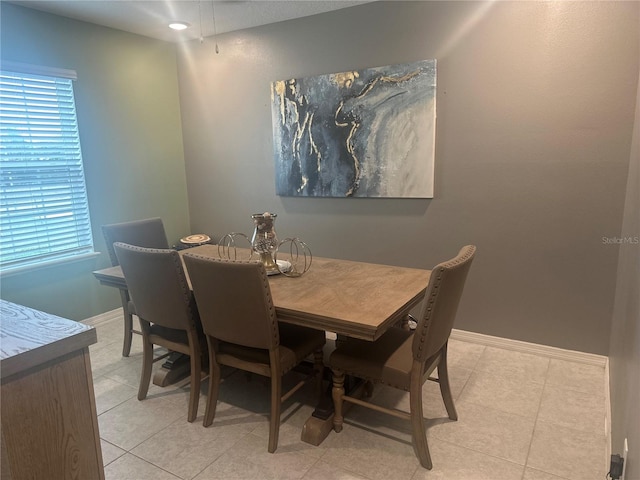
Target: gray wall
(535,112)
(129,119)
(624,350)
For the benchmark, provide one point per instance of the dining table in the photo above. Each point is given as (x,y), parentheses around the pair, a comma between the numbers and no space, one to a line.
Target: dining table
(349,298)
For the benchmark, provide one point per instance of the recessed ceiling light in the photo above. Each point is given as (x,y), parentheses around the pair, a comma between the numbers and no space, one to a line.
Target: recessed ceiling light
(179,25)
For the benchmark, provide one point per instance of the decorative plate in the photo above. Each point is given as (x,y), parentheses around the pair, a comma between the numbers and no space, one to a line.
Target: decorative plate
(283,265)
(196,239)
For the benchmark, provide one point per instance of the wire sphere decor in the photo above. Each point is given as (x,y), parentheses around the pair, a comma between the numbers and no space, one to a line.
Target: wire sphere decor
(228,246)
(299,257)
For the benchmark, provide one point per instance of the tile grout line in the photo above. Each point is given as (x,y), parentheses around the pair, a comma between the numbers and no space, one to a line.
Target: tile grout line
(485,372)
(487,454)
(535,422)
(154,465)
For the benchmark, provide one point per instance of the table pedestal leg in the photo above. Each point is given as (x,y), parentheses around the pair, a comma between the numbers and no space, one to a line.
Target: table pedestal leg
(320,423)
(175,368)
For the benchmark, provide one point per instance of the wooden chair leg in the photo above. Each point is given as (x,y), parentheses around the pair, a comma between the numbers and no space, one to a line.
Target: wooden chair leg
(214,387)
(418,432)
(445,387)
(128,324)
(194,394)
(276,406)
(337,393)
(147,364)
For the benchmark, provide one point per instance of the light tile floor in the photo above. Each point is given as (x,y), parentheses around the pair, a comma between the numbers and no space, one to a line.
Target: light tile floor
(521,417)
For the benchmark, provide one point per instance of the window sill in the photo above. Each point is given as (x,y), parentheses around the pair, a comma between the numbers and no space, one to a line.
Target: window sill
(9,272)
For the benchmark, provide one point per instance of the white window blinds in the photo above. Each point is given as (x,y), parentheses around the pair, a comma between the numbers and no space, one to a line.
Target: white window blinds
(44,211)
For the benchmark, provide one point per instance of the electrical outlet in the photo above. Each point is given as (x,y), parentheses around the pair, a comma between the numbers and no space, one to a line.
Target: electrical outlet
(625,454)
(616,468)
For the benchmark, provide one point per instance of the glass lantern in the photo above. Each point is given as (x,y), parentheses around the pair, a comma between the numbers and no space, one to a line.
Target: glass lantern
(265,241)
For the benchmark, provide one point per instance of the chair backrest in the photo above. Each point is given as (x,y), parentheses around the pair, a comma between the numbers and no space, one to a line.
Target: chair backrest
(234,301)
(158,286)
(441,304)
(147,233)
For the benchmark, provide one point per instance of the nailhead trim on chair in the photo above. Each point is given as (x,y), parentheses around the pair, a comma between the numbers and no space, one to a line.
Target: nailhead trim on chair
(186,291)
(272,316)
(429,308)
(427,322)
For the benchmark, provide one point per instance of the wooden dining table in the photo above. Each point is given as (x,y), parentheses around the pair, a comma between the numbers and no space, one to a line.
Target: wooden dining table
(354,299)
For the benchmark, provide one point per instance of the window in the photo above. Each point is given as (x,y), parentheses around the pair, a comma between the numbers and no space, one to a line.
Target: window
(44,213)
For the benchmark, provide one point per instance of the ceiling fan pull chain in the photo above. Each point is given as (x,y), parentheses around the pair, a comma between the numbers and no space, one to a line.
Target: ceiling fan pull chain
(215,32)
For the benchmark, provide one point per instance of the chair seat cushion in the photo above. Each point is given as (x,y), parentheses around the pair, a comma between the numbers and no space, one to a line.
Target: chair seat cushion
(387,360)
(171,334)
(296,343)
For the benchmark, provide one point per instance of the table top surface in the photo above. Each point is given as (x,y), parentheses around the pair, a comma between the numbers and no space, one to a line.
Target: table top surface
(350,298)
(31,337)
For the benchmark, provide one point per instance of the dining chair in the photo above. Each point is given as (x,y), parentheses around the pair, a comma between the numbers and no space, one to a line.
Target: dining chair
(242,331)
(142,233)
(404,359)
(167,311)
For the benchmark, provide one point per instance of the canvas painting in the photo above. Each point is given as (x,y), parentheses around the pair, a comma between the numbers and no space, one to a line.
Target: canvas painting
(364,133)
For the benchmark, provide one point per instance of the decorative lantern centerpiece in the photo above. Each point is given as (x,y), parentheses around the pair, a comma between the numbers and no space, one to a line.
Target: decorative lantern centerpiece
(265,241)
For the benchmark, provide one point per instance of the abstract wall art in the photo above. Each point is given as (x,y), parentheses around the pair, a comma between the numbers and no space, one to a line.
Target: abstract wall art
(364,133)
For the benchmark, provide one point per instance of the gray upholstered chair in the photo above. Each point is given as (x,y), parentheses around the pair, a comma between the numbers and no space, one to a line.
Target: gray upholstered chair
(142,233)
(242,330)
(405,359)
(166,308)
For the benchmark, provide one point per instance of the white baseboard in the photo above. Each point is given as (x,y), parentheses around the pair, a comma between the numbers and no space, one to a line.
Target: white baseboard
(103,318)
(607,419)
(534,348)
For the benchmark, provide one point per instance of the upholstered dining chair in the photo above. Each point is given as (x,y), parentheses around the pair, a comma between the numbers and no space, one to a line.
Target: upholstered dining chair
(142,233)
(166,309)
(405,359)
(242,330)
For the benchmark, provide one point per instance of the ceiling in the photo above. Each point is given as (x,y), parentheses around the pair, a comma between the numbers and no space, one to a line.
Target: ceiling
(151,17)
